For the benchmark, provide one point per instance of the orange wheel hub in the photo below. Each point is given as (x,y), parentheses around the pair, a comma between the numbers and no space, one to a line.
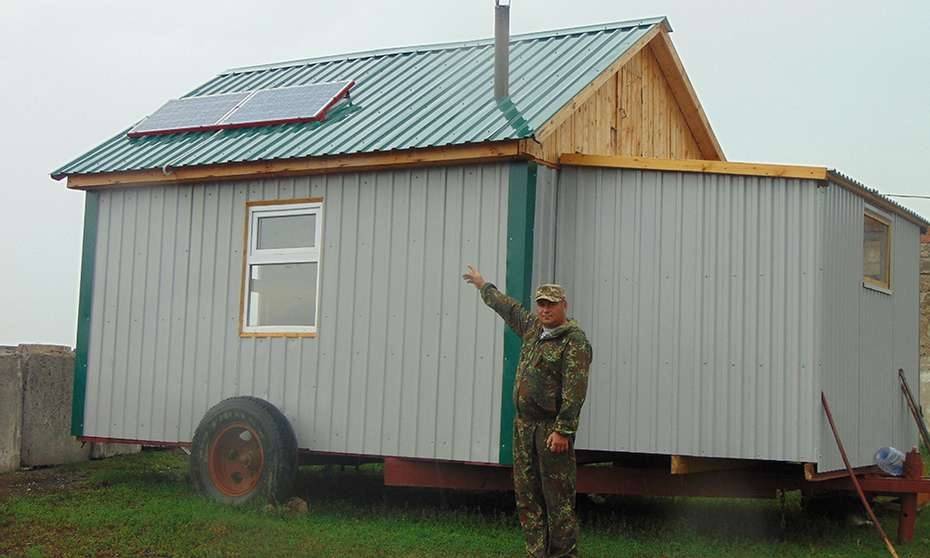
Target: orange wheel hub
(236,460)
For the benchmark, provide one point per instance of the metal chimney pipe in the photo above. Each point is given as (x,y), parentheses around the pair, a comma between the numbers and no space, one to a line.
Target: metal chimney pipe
(501,48)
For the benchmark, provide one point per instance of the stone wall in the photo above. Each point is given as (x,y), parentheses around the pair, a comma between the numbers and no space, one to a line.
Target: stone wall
(11,409)
(925,324)
(36,383)
(48,383)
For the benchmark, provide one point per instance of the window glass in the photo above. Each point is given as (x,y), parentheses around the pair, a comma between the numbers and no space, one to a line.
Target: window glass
(282,294)
(876,257)
(286,231)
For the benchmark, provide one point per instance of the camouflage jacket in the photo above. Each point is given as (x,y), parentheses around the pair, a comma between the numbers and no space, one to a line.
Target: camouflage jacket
(552,376)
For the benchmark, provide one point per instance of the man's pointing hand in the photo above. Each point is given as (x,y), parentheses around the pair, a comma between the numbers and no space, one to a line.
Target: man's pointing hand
(473,277)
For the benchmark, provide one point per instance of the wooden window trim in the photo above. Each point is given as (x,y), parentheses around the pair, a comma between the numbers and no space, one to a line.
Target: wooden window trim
(245,270)
(867,282)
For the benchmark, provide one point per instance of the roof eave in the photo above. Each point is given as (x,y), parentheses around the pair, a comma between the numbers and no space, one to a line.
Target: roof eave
(875,197)
(365,161)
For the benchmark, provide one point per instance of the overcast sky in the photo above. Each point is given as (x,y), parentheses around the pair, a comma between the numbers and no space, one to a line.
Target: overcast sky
(844,84)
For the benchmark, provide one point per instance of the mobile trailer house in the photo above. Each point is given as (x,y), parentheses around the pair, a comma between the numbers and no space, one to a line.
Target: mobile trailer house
(307,267)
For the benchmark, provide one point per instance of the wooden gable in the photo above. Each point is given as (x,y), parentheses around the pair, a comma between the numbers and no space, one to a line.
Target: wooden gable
(643,106)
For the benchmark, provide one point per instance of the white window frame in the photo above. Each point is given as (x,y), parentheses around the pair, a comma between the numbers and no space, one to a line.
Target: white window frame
(256,256)
(867,282)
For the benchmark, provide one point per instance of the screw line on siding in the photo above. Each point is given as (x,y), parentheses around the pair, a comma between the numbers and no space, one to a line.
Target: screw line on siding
(617,240)
(658,302)
(120,285)
(346,429)
(458,305)
(706,254)
(188,426)
(637,273)
(151,433)
(387,310)
(228,302)
(481,214)
(242,192)
(439,347)
(143,337)
(118,418)
(174,413)
(476,305)
(355,321)
(770,406)
(675,438)
(406,284)
(214,330)
(416,422)
(747,363)
(500,258)
(803,250)
(173,235)
(734,189)
(93,418)
(336,321)
(374,221)
(104,387)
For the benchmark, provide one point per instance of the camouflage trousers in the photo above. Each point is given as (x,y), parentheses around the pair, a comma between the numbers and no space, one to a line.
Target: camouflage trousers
(545,488)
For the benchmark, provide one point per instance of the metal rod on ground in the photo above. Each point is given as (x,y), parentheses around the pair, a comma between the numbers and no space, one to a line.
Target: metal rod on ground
(852,476)
(912,405)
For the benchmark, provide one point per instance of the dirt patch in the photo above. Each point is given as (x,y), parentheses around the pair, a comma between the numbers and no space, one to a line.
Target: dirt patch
(41,481)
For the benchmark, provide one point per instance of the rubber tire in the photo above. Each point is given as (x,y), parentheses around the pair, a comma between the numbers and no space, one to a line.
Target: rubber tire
(277,439)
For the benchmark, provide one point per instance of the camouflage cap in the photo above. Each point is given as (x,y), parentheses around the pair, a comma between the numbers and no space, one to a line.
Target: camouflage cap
(550,292)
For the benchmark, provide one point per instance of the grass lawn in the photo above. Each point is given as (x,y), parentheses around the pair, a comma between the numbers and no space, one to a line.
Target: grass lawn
(143,505)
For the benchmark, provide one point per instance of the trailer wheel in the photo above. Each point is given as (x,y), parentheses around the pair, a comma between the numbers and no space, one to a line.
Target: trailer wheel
(244,450)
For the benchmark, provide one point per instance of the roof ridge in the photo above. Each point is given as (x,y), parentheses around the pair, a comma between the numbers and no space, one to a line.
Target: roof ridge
(449,45)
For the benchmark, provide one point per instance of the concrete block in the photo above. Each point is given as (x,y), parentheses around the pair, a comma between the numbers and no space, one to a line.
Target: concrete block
(11,409)
(47,372)
(102,451)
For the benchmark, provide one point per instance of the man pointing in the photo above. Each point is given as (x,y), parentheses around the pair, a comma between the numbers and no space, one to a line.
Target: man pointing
(550,387)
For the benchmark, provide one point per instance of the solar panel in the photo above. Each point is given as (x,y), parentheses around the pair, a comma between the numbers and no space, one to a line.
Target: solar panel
(189,114)
(301,103)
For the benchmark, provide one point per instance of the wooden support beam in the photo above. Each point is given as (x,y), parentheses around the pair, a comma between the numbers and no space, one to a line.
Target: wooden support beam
(692,165)
(472,153)
(686,465)
(533,150)
(811,474)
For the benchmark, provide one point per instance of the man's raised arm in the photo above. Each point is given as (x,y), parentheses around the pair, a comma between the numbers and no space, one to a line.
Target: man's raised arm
(515,315)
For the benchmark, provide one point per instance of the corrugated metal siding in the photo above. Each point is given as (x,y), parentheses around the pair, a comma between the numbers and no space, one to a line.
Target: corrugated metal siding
(407,361)
(544,233)
(867,335)
(906,326)
(406,98)
(698,295)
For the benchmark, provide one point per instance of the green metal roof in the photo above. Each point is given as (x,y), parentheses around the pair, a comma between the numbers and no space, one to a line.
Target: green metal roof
(404,98)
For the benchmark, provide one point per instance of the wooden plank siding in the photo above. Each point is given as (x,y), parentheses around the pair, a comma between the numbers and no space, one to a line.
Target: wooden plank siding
(634,113)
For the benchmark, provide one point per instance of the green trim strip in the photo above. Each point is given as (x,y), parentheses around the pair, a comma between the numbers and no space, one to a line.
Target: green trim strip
(521,214)
(85,302)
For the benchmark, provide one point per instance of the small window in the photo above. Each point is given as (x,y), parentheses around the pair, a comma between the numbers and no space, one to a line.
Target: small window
(877,251)
(282,268)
